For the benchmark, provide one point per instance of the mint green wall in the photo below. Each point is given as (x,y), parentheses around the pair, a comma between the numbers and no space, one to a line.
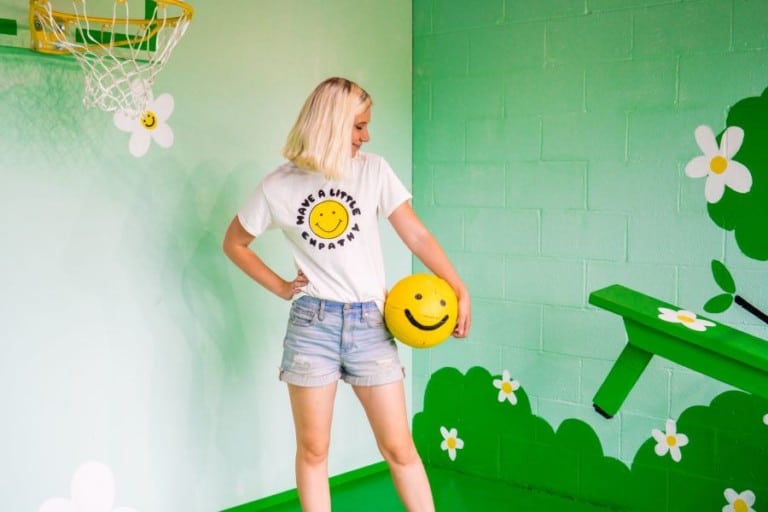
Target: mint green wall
(127,338)
(549,144)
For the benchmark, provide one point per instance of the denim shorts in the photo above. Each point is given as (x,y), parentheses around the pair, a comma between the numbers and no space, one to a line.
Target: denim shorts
(326,341)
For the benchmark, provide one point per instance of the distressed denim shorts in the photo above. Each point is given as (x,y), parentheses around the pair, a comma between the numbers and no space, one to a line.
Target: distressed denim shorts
(326,341)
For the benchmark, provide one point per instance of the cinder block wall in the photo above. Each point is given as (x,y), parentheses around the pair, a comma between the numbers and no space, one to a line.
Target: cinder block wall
(550,138)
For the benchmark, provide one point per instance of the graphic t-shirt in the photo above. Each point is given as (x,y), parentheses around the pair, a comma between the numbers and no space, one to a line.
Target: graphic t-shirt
(331,226)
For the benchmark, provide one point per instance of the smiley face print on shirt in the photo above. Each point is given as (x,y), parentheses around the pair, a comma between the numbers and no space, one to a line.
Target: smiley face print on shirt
(327,218)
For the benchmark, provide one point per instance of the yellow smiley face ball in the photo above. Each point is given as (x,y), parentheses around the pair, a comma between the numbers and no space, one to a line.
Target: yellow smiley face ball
(421,310)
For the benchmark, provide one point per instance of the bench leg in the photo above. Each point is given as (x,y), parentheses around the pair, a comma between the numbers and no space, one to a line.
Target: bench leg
(620,380)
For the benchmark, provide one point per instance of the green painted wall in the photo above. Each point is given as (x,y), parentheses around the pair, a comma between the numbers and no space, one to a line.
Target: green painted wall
(550,139)
(127,338)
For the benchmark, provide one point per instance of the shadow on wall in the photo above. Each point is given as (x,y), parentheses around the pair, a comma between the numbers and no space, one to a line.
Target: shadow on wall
(190,279)
(711,457)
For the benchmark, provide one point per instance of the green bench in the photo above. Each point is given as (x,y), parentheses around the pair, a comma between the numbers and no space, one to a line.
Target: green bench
(721,352)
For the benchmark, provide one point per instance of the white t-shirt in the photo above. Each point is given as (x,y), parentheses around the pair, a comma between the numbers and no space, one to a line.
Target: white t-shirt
(331,226)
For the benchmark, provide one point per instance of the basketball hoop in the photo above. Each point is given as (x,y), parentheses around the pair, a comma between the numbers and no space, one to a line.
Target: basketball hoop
(119,55)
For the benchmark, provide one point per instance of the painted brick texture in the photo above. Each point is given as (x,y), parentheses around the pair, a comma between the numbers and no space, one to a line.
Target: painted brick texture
(550,138)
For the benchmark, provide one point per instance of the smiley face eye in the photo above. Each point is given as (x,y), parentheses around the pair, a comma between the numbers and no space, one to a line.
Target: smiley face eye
(442,302)
(418,296)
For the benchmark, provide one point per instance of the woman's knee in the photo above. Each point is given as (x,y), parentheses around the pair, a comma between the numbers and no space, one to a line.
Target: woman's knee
(312,452)
(400,452)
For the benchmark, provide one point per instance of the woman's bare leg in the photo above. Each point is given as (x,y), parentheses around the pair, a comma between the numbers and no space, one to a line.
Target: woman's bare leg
(312,412)
(385,408)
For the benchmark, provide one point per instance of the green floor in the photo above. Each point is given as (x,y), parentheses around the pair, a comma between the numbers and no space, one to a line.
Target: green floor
(452,492)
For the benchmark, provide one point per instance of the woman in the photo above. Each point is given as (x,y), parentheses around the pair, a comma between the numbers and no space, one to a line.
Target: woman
(326,200)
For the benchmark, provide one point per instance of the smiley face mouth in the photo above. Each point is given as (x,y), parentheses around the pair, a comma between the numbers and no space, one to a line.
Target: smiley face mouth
(423,327)
(149,120)
(332,230)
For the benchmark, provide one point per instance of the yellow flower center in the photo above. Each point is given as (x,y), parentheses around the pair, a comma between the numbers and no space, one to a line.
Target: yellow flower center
(718,164)
(149,120)
(451,443)
(740,506)
(686,319)
(506,387)
(671,440)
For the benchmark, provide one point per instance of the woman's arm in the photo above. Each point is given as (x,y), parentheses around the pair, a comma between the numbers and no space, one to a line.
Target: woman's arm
(425,247)
(236,247)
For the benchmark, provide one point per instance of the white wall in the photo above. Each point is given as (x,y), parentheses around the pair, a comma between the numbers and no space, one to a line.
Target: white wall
(126,337)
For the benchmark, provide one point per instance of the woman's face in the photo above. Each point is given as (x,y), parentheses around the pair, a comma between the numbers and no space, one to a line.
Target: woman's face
(360,131)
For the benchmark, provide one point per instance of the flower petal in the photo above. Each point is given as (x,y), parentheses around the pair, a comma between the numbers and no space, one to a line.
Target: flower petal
(163,106)
(675,453)
(714,188)
(459,443)
(141,89)
(705,138)
(444,432)
(696,326)
(139,143)
(730,142)
(738,177)
(163,135)
(748,497)
(93,487)
(698,167)
(670,425)
(661,449)
(730,495)
(124,121)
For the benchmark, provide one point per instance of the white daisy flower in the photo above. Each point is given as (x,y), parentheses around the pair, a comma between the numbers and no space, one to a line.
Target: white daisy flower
(669,441)
(506,388)
(451,442)
(93,490)
(739,502)
(716,163)
(149,125)
(686,318)
(765,419)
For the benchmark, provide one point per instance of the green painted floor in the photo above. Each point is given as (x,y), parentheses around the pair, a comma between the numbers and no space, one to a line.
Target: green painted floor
(452,492)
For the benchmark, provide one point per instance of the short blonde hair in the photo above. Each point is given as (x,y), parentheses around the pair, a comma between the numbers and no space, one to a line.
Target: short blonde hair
(320,139)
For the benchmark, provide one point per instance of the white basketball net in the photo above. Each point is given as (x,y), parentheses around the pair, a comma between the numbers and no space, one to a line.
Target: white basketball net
(119,55)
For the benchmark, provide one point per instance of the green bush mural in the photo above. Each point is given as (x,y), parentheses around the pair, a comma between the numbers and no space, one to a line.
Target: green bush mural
(735,165)
(710,458)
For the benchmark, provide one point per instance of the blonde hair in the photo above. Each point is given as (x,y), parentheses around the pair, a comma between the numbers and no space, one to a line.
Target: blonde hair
(320,139)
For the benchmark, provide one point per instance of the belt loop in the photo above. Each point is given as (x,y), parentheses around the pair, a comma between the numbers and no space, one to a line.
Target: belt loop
(321,312)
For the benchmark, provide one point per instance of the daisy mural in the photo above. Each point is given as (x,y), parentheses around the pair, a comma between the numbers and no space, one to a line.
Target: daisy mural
(669,441)
(451,442)
(739,502)
(743,214)
(685,318)
(507,388)
(93,490)
(149,125)
(717,165)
